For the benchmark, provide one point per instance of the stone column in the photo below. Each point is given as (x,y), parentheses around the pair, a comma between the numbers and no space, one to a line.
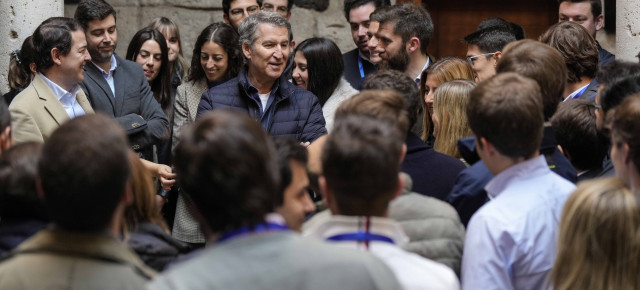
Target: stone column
(18,19)
(627,30)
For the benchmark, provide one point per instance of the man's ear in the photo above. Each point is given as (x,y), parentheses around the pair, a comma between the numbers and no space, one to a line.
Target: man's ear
(403,153)
(226,18)
(624,150)
(487,146)
(399,188)
(55,56)
(246,50)
(413,44)
(6,140)
(327,194)
(599,22)
(496,57)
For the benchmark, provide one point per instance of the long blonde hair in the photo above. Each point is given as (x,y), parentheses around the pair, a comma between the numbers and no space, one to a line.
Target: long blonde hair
(144,208)
(599,238)
(444,70)
(450,104)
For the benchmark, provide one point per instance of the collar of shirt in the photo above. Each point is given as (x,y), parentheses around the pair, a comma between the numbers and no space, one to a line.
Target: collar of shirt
(114,65)
(529,168)
(576,92)
(340,224)
(362,56)
(61,94)
(426,65)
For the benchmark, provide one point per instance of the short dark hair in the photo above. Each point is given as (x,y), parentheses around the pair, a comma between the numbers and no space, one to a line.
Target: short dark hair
(542,63)
(226,5)
(614,93)
(18,173)
(361,161)
(288,150)
(626,127)
(226,164)
(161,85)
(499,23)
(89,10)
(490,40)
(352,4)
(506,110)
(54,32)
(574,125)
(225,36)
(324,65)
(401,83)
(617,69)
(409,20)
(84,170)
(596,6)
(387,105)
(577,46)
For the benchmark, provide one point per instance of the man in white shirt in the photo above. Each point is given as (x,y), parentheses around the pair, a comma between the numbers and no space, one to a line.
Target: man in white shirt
(54,95)
(511,240)
(361,175)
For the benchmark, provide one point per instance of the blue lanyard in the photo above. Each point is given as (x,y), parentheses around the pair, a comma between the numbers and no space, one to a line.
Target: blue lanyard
(580,92)
(261,228)
(361,237)
(360,67)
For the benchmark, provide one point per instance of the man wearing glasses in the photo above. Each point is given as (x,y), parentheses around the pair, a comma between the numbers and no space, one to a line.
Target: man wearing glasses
(237,10)
(484,50)
(283,7)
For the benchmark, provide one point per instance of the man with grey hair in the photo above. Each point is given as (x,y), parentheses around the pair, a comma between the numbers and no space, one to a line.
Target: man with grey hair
(282,108)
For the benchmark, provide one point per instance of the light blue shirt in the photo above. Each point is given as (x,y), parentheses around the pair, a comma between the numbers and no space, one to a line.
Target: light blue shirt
(108,76)
(67,99)
(511,240)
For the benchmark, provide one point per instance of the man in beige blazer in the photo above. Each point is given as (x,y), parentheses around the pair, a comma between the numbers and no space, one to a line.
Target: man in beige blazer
(54,96)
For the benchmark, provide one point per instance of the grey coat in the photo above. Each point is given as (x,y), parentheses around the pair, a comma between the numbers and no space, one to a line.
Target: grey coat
(278,260)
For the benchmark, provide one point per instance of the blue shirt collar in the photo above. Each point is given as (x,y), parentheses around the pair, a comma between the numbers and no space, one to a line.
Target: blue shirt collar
(114,65)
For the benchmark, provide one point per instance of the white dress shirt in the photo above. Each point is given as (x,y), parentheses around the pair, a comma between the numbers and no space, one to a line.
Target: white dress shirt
(67,99)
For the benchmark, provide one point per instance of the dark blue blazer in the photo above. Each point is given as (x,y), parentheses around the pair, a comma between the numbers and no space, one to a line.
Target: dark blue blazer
(295,112)
(433,173)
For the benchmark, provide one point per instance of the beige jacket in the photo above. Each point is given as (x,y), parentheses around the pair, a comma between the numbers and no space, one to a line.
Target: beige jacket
(55,259)
(36,112)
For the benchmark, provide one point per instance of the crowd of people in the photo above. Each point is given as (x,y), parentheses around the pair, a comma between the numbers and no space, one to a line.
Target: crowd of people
(262,164)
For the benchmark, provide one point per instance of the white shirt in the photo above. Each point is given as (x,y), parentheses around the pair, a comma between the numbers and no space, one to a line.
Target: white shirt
(108,76)
(264,98)
(576,92)
(426,65)
(511,240)
(68,100)
(412,271)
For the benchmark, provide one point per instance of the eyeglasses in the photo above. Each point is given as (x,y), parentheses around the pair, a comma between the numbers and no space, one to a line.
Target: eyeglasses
(596,106)
(279,9)
(471,58)
(238,12)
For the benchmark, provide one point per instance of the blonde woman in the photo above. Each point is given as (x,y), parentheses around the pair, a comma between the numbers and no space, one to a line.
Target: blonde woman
(599,238)
(442,71)
(449,115)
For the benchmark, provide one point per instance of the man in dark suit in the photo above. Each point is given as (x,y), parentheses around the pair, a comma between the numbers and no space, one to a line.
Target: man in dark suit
(587,13)
(356,62)
(115,86)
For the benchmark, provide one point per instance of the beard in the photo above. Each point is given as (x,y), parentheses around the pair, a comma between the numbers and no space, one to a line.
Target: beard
(99,56)
(398,61)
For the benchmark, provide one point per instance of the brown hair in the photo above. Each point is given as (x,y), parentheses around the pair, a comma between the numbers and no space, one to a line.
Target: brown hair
(444,70)
(599,238)
(625,127)
(166,25)
(506,110)
(360,162)
(450,103)
(577,46)
(144,207)
(387,105)
(542,63)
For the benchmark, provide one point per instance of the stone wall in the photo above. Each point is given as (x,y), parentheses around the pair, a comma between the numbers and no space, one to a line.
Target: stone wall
(194,15)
